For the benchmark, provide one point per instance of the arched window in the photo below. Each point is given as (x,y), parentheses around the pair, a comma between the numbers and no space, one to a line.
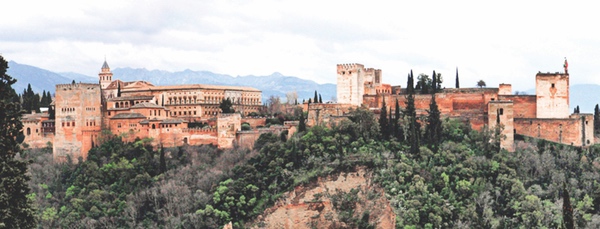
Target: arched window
(28,131)
(153,126)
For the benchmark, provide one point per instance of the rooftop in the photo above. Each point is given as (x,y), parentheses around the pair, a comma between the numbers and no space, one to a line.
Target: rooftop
(128,115)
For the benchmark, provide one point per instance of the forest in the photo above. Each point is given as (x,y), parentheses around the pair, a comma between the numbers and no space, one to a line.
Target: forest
(465,181)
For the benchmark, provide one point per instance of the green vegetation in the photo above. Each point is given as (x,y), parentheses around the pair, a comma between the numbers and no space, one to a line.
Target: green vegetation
(455,178)
(16,209)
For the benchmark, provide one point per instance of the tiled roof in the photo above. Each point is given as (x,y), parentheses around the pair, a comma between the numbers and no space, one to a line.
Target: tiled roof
(128,115)
(172,121)
(127,98)
(146,105)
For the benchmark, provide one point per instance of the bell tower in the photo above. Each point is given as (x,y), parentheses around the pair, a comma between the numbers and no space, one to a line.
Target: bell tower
(105,75)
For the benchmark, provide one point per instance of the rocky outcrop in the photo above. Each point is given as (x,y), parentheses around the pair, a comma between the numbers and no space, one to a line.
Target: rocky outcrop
(344,200)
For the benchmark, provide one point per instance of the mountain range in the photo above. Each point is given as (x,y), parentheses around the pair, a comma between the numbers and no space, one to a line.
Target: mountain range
(583,95)
(275,84)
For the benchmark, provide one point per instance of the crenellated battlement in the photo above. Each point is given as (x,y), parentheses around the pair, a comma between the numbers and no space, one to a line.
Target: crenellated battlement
(349,67)
(76,86)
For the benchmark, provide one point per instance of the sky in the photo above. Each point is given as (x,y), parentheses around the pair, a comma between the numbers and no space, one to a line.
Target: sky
(498,42)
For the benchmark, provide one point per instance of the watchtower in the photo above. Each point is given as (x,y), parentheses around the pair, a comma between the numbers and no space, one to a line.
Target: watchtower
(350,83)
(552,92)
(78,120)
(502,113)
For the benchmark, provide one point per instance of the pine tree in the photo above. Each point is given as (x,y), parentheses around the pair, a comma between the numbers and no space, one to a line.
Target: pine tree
(16,209)
(568,222)
(411,113)
(457,83)
(383,122)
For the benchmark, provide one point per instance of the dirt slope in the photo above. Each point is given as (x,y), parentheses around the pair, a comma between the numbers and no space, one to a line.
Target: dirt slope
(344,200)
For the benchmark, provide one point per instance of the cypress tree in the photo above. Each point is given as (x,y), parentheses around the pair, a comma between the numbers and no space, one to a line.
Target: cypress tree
(316,99)
(433,131)
(383,122)
(398,133)
(433,83)
(16,209)
(301,123)
(457,83)
(568,222)
(413,126)
(309,101)
(320,100)
(51,113)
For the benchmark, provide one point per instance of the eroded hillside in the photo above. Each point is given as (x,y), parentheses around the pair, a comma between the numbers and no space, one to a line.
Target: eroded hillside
(343,200)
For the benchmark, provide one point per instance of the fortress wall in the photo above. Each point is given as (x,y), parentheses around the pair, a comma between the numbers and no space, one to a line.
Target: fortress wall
(322,113)
(576,130)
(524,105)
(255,122)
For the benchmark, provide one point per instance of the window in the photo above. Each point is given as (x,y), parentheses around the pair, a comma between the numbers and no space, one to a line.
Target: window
(28,131)
(118,125)
(501,112)
(552,85)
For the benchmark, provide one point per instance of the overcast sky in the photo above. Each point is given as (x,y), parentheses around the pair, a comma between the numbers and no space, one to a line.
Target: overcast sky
(499,42)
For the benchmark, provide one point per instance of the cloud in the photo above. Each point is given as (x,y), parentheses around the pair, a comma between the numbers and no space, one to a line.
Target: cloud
(499,42)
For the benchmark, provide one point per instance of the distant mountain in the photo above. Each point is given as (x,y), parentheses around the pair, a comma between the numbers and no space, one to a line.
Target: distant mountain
(275,84)
(586,96)
(39,79)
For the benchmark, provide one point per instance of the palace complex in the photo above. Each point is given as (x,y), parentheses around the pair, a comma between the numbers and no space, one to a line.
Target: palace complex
(141,110)
(190,114)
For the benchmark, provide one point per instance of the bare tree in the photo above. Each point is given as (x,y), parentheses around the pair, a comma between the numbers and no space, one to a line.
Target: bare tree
(291,97)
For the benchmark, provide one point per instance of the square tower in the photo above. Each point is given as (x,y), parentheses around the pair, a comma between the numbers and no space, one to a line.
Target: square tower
(350,83)
(78,119)
(552,92)
(501,113)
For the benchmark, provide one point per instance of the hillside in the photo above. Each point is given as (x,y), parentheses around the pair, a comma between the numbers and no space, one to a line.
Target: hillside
(465,182)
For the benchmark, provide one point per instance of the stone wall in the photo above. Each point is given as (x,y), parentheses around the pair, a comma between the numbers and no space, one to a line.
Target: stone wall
(575,130)
(323,114)
(524,105)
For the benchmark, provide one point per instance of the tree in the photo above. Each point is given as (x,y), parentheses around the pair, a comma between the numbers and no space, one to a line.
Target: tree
(567,210)
(433,82)
(424,83)
(413,134)
(301,120)
(481,84)
(383,122)
(433,132)
(398,133)
(320,100)
(291,98)
(316,99)
(226,106)
(457,82)
(274,105)
(16,209)
(51,113)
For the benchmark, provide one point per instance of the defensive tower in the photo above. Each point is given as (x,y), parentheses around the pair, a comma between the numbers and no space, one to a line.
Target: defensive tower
(350,83)
(552,91)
